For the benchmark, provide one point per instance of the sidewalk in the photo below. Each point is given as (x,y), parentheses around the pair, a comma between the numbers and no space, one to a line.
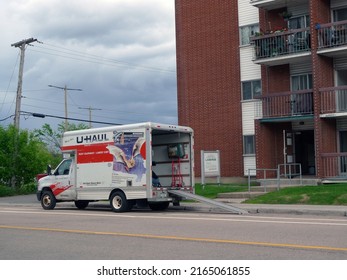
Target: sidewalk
(321,210)
(289,209)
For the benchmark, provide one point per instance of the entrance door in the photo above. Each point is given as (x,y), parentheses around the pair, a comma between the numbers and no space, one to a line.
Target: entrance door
(64,177)
(343,149)
(341,94)
(304,151)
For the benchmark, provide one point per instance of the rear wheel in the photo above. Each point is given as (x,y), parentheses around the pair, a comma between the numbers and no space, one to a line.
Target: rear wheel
(81,204)
(48,200)
(119,202)
(159,206)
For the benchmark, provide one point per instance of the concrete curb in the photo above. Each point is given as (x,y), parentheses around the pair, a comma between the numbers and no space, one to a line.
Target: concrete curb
(318,210)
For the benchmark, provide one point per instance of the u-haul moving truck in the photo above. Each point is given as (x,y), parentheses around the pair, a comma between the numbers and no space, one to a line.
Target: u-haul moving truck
(115,163)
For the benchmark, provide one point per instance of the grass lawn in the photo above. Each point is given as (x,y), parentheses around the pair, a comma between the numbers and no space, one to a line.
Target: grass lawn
(211,191)
(332,194)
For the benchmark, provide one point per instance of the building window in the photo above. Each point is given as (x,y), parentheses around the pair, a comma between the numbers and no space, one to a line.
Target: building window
(340,14)
(248,145)
(251,89)
(301,82)
(299,22)
(246,32)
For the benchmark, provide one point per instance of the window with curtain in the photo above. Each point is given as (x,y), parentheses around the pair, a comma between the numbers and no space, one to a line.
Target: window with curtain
(246,32)
(301,82)
(301,103)
(251,89)
(248,144)
(299,22)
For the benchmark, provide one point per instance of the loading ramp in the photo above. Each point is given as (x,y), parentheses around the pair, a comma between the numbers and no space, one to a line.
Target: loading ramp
(212,202)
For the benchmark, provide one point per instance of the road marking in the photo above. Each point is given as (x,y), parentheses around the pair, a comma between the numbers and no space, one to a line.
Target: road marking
(229,218)
(180,238)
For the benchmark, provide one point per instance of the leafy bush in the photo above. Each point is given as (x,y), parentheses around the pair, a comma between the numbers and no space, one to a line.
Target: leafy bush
(6,191)
(22,156)
(27,189)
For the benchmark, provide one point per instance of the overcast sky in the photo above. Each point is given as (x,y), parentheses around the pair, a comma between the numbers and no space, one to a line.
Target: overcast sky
(121,53)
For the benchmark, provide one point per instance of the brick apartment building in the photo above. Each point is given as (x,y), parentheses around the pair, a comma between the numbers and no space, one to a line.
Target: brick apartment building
(265,82)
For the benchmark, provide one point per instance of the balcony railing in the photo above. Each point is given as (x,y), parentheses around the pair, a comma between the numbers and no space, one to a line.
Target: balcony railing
(286,104)
(333,100)
(282,43)
(332,34)
(334,165)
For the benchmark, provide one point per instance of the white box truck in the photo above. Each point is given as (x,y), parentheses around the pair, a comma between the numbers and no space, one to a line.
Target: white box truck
(126,165)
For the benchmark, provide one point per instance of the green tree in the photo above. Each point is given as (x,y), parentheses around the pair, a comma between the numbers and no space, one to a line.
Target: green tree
(22,156)
(52,138)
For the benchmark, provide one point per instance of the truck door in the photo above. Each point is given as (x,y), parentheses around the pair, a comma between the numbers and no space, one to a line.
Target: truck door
(64,180)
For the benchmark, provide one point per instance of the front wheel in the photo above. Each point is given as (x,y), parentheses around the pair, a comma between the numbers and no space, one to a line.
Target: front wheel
(48,200)
(119,203)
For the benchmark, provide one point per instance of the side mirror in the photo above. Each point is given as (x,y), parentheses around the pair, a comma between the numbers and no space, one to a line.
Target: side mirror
(49,169)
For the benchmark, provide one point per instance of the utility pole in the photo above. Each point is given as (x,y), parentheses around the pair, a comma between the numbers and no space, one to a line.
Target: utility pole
(21,44)
(65,100)
(90,113)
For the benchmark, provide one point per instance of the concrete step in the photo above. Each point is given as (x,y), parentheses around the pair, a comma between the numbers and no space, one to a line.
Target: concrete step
(287,182)
(267,188)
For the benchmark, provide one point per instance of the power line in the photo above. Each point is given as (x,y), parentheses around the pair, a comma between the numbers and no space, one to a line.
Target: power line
(39,115)
(90,109)
(110,114)
(65,99)
(75,55)
(8,86)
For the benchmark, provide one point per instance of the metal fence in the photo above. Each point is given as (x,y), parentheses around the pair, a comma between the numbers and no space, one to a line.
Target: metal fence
(269,176)
(283,104)
(333,99)
(332,34)
(334,165)
(281,42)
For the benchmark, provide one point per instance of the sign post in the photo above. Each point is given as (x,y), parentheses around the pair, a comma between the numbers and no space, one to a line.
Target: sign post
(210,165)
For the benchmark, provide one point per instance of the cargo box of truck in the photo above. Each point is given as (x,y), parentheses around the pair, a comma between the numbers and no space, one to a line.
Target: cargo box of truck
(127,165)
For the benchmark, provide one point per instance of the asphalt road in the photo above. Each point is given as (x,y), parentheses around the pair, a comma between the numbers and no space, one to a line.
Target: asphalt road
(27,232)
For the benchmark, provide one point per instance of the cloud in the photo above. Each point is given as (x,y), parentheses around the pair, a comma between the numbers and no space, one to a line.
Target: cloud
(120,53)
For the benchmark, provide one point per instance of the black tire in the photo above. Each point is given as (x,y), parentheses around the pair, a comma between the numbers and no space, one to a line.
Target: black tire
(48,200)
(81,204)
(119,202)
(159,206)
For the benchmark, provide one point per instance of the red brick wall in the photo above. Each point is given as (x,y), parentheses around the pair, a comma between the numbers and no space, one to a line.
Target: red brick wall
(322,74)
(209,90)
(269,144)
(270,21)
(278,78)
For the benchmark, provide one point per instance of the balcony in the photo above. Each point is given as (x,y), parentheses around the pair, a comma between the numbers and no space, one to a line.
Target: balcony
(332,38)
(285,105)
(269,4)
(282,47)
(333,101)
(334,165)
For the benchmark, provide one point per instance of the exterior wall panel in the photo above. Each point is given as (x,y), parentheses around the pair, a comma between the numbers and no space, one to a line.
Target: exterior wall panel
(249,70)
(248,14)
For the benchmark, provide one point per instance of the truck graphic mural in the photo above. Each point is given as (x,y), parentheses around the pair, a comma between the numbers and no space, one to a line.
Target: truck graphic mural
(129,153)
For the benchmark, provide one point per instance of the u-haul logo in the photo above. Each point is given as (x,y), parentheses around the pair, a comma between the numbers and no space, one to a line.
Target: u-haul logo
(92,138)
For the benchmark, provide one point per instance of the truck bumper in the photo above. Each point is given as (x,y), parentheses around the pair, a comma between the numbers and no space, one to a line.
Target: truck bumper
(38,195)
